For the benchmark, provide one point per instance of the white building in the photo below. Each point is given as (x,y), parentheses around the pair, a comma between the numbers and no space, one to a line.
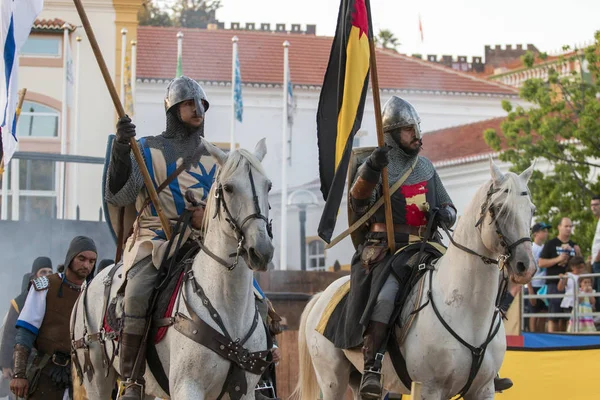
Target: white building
(444,98)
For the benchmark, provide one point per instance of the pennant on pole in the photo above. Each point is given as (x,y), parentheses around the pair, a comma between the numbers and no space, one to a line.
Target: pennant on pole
(15,26)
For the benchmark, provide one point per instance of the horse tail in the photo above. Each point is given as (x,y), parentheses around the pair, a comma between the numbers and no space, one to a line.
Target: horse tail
(307,387)
(79,392)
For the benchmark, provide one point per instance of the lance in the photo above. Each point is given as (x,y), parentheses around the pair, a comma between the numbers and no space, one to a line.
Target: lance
(380,142)
(121,112)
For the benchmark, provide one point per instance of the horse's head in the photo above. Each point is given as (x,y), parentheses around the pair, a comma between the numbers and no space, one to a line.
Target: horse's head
(240,197)
(505,222)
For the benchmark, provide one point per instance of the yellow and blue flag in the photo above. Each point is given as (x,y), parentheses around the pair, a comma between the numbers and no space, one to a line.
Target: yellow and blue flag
(341,104)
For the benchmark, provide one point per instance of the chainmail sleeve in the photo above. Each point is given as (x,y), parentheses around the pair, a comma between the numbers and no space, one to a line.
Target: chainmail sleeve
(124,179)
(442,195)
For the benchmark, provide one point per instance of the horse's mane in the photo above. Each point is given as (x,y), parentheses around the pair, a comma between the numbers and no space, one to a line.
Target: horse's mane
(506,195)
(235,160)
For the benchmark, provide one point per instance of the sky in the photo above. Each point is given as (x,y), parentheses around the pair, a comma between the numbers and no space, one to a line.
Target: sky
(456,27)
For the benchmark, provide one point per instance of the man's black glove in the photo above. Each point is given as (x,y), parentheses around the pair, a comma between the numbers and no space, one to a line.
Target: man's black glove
(379,158)
(125,130)
(447,215)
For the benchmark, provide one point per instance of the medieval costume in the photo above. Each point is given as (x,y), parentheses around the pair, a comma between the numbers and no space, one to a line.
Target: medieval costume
(146,247)
(44,325)
(9,330)
(374,288)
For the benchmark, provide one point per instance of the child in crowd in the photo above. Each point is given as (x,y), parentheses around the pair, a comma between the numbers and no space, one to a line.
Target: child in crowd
(585,322)
(568,282)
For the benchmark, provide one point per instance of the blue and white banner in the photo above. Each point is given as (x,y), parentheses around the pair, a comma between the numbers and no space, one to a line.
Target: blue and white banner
(237,91)
(16,20)
(290,98)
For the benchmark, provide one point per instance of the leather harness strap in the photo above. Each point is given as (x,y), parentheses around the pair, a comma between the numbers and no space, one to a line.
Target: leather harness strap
(101,336)
(202,333)
(400,228)
(363,220)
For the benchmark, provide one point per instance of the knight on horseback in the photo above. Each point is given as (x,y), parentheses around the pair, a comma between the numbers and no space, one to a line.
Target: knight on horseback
(164,155)
(185,104)
(421,192)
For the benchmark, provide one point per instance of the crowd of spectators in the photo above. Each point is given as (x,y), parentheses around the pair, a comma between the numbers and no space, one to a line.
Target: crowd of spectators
(561,264)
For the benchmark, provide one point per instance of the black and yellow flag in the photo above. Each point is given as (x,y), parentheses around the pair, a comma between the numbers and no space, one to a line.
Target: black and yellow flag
(341,104)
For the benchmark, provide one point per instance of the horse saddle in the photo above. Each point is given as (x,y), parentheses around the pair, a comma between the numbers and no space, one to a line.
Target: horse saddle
(167,288)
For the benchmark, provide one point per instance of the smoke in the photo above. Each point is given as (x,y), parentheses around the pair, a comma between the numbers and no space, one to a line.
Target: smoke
(22,242)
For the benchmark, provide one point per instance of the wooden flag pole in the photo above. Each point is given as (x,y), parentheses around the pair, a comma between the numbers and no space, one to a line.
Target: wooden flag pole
(121,112)
(22,94)
(389,223)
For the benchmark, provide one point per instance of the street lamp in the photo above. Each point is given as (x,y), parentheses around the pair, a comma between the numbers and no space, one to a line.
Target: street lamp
(302,199)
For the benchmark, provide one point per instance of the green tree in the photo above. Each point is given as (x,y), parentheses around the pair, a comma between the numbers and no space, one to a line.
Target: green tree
(562,126)
(150,14)
(387,39)
(195,13)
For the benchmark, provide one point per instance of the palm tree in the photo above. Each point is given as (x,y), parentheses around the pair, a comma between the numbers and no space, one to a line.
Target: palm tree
(387,39)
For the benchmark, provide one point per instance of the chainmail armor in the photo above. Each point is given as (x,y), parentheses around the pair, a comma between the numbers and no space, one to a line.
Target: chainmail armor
(400,162)
(177,141)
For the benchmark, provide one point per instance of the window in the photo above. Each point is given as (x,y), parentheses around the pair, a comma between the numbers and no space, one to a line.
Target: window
(34,208)
(36,194)
(316,255)
(36,175)
(37,120)
(41,47)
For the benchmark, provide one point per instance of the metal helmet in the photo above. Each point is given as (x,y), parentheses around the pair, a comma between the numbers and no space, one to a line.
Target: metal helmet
(182,89)
(399,113)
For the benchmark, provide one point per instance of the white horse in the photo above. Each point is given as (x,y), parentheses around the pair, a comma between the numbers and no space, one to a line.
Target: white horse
(194,371)
(464,290)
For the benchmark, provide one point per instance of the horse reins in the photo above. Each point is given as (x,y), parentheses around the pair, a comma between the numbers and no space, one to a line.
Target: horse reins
(488,207)
(478,353)
(237,228)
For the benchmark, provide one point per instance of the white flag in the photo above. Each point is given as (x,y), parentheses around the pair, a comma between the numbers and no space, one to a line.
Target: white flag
(16,20)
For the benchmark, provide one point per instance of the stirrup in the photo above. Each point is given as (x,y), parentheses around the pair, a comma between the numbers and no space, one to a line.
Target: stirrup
(123,385)
(377,365)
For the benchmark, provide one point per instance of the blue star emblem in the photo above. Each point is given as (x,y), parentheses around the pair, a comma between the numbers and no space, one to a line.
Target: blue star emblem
(205,179)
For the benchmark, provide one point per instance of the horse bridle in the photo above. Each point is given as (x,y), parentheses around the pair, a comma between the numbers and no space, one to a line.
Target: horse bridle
(478,353)
(491,208)
(237,228)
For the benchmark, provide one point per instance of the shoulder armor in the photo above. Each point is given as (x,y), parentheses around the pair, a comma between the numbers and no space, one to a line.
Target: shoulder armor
(41,283)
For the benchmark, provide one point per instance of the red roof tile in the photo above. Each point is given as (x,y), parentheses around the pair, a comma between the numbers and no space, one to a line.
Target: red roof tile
(207,57)
(459,142)
(54,24)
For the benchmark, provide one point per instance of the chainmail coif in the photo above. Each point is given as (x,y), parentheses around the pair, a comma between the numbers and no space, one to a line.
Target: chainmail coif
(400,162)
(178,140)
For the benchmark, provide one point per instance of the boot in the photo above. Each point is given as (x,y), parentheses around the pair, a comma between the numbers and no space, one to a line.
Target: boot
(501,384)
(133,385)
(370,386)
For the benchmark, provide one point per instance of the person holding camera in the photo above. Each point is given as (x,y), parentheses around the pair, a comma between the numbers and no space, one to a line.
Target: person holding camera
(555,257)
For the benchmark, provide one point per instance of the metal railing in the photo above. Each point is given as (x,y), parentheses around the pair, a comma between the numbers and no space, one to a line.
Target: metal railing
(576,296)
